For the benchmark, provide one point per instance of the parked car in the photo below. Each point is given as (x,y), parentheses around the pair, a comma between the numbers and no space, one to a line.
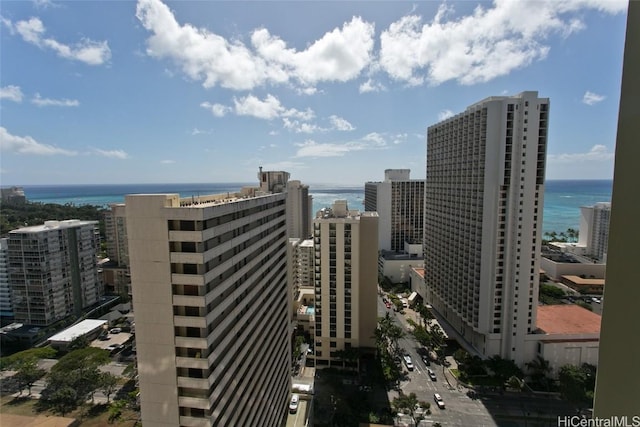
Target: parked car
(115,330)
(408,362)
(438,400)
(293,403)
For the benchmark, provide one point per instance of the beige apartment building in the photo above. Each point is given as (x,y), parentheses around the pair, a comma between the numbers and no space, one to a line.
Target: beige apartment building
(345,259)
(209,280)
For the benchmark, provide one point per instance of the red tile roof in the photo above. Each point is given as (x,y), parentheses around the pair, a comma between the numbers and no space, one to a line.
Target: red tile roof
(567,319)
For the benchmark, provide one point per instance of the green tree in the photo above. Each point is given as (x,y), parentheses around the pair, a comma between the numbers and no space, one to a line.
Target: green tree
(28,373)
(425,313)
(540,369)
(407,404)
(503,369)
(10,362)
(78,371)
(108,384)
(63,400)
(78,343)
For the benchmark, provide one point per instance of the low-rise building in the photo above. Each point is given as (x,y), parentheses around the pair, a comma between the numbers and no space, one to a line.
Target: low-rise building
(566,334)
(88,328)
(556,264)
(583,285)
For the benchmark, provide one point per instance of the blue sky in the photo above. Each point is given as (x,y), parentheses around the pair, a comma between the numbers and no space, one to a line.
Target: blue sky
(333,92)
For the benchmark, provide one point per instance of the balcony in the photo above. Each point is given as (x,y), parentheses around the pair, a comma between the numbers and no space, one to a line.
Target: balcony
(194,422)
(194,402)
(192,362)
(190,321)
(200,383)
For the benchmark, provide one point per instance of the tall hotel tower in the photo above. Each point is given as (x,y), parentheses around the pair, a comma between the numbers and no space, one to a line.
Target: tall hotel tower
(399,202)
(345,259)
(211,303)
(483,218)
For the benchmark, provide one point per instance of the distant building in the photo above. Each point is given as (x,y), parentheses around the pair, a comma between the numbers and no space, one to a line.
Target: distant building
(212,306)
(6,310)
(399,202)
(13,195)
(483,221)
(593,236)
(397,266)
(53,270)
(346,312)
(555,263)
(299,206)
(115,273)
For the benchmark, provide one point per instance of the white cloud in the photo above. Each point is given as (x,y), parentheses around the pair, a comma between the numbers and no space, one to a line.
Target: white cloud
(217,110)
(300,127)
(28,145)
(167,162)
(45,4)
(339,55)
(338,123)
(445,114)
(197,131)
(591,98)
(310,148)
(285,165)
(47,102)
(598,153)
(268,109)
(491,42)
(88,51)
(114,154)
(371,86)
(12,93)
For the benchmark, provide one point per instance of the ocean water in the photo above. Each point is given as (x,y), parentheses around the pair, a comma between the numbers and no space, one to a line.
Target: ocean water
(562,198)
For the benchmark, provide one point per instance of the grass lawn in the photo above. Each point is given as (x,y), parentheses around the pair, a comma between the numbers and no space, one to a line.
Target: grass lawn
(89,416)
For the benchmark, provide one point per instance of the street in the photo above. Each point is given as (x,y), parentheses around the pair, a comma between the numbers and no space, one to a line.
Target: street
(463,406)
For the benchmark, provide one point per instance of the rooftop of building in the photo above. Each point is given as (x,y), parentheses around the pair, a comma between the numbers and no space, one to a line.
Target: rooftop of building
(307,243)
(82,328)
(54,225)
(567,319)
(583,281)
(419,271)
(554,252)
(400,256)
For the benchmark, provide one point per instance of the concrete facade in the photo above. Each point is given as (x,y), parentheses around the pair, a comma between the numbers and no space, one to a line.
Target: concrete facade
(483,220)
(212,307)
(399,202)
(345,253)
(6,308)
(53,270)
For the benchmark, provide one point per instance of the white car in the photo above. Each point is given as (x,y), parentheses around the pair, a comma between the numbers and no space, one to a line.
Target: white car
(438,400)
(408,362)
(293,403)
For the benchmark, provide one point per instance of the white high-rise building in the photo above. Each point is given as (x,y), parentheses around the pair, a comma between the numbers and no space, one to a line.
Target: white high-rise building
(6,310)
(53,270)
(399,202)
(345,257)
(594,229)
(212,307)
(483,221)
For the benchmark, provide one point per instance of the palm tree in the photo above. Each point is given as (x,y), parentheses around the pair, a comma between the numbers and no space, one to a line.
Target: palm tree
(540,369)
